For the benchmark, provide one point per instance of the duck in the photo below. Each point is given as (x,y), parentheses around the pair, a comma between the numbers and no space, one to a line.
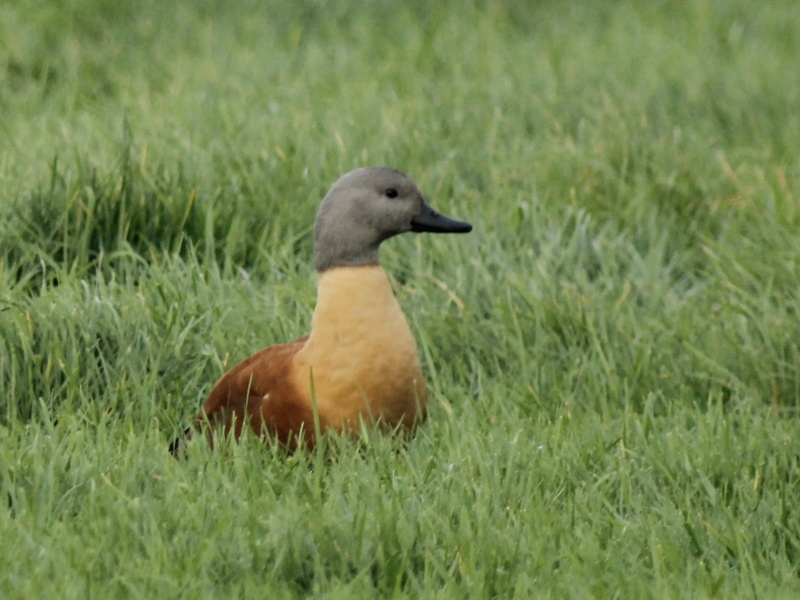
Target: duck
(359,363)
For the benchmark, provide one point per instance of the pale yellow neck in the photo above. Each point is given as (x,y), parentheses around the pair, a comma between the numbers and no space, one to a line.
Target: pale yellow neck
(354,305)
(360,351)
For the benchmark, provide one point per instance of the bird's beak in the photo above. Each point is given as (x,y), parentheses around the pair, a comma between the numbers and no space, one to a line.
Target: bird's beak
(431,221)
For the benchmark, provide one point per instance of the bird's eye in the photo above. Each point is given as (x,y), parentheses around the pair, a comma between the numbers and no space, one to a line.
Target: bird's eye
(391,193)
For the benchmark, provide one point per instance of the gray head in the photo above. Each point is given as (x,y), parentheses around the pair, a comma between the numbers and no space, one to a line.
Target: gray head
(366,207)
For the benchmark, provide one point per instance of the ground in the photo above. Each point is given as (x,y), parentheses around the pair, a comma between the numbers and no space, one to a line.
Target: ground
(612,353)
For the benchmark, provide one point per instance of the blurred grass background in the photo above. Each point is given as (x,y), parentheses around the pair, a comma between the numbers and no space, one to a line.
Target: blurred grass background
(612,353)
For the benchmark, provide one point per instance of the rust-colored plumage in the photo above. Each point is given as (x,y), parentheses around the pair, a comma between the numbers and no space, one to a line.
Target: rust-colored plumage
(360,360)
(258,392)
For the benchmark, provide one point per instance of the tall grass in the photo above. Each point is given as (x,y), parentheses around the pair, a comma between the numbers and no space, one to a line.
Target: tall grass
(612,353)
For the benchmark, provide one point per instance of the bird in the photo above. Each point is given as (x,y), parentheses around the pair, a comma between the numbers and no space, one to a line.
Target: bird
(359,363)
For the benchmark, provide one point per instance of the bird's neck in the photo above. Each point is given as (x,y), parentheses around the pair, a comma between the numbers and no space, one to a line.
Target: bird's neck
(344,248)
(355,302)
(360,354)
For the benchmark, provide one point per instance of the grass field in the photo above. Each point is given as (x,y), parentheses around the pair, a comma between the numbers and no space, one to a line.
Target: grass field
(612,353)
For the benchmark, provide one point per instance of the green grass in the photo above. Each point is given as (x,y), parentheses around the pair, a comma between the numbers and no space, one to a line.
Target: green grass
(612,353)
